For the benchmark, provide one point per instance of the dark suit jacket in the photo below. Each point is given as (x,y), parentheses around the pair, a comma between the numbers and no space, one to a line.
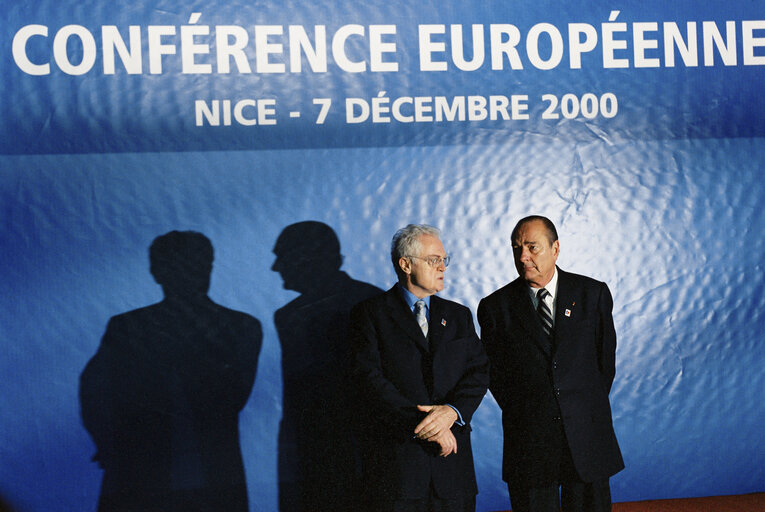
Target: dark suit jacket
(399,369)
(161,400)
(535,381)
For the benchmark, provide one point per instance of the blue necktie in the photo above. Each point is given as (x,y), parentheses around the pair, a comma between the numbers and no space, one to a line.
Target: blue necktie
(422,319)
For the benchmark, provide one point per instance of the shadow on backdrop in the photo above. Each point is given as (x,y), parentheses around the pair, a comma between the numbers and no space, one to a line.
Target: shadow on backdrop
(319,467)
(161,396)
(4,505)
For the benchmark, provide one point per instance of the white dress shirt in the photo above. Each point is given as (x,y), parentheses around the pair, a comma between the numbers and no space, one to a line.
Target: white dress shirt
(552,289)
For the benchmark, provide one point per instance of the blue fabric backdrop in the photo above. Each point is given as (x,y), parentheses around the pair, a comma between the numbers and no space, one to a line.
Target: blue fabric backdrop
(663,201)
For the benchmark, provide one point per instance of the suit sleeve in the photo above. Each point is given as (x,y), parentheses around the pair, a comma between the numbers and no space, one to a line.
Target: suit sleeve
(225,374)
(471,387)
(491,339)
(390,407)
(607,342)
(97,393)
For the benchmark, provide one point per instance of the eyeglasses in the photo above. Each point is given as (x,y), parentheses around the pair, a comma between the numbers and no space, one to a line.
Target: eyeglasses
(435,261)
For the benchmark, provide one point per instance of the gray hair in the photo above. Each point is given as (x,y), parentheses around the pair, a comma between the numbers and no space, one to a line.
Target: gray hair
(406,242)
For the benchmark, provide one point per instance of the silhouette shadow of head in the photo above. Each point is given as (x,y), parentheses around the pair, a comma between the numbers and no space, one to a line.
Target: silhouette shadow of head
(307,256)
(181,262)
(162,394)
(318,456)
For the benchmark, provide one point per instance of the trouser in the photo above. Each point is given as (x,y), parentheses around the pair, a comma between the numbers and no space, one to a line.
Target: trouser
(568,493)
(571,496)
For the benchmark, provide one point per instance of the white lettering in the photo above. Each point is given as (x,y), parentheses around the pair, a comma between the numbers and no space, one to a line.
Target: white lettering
(315,55)
(350,110)
(226,49)
(263,49)
(377,48)
(577,46)
(504,39)
(189,48)
(458,50)
(428,48)
(157,49)
(338,49)
(111,40)
(641,44)
(19,50)
(673,38)
(610,45)
(713,38)
(532,46)
(88,49)
(750,42)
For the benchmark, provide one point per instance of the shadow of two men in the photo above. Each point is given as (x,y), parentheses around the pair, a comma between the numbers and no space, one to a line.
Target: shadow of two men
(162,394)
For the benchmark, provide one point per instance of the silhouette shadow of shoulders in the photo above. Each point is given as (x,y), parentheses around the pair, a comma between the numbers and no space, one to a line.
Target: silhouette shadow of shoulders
(319,466)
(162,395)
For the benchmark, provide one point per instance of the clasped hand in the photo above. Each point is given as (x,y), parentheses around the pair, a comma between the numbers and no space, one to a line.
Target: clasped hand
(436,426)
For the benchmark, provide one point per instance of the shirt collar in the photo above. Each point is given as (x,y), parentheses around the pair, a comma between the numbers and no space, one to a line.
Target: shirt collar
(411,298)
(551,287)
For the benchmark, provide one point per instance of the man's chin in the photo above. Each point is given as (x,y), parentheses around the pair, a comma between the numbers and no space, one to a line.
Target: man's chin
(532,279)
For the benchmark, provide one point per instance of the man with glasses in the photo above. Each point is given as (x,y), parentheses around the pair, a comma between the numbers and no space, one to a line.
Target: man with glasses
(551,341)
(424,372)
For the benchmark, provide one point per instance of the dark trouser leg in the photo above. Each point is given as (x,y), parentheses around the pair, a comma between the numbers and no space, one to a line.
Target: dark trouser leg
(535,499)
(578,496)
(431,504)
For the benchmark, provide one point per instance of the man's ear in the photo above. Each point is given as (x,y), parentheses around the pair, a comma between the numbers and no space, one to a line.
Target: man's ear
(405,265)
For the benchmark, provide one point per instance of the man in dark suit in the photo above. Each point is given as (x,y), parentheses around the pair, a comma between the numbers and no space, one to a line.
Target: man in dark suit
(161,397)
(552,345)
(424,373)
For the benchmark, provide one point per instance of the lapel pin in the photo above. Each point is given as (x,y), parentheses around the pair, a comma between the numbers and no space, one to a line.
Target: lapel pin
(443,322)
(568,312)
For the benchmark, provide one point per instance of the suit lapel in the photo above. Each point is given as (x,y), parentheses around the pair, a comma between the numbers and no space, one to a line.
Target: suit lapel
(404,318)
(438,322)
(565,304)
(526,316)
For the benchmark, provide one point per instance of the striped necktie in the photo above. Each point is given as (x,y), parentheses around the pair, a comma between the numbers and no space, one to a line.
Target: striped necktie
(544,312)
(422,319)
